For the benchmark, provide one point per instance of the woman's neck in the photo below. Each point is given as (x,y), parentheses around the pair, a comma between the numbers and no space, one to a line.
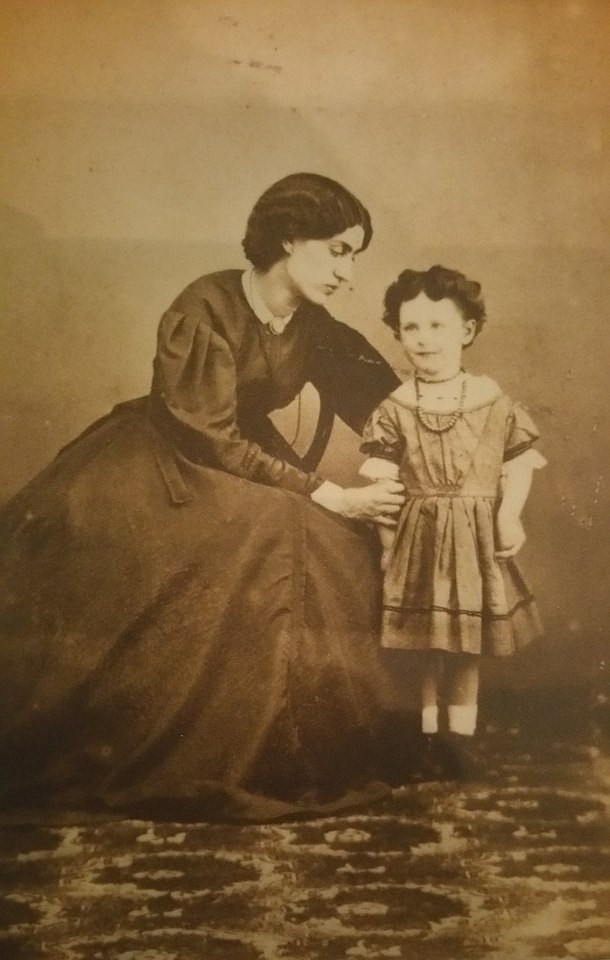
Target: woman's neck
(275,291)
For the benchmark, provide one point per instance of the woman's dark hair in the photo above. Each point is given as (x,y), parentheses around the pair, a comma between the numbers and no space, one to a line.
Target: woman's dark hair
(303,206)
(438,283)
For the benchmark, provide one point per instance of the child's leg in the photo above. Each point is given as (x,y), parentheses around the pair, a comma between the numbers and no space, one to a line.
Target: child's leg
(430,685)
(462,692)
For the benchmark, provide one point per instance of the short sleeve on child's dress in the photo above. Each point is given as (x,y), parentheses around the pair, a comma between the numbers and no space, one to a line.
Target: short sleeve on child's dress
(384,444)
(521,434)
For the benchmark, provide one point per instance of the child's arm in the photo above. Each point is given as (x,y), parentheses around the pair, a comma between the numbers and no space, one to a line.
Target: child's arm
(386,535)
(383,441)
(381,472)
(517,480)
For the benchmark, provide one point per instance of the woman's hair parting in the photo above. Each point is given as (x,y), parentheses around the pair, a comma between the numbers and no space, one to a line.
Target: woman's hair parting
(438,283)
(303,206)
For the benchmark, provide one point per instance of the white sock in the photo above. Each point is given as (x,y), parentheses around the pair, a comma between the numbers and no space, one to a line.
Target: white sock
(429,720)
(462,719)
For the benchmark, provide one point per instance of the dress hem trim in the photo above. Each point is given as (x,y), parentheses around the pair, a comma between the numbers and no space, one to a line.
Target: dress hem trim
(459,612)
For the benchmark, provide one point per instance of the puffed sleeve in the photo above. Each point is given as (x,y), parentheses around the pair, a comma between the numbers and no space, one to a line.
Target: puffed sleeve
(194,401)
(521,432)
(384,444)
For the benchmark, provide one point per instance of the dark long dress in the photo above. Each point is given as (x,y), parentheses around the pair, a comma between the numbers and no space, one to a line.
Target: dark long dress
(182,629)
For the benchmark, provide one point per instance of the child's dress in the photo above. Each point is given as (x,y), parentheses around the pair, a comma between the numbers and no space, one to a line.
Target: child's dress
(444,588)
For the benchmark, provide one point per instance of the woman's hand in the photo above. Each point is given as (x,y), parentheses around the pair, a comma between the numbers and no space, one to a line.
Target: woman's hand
(511,535)
(378,502)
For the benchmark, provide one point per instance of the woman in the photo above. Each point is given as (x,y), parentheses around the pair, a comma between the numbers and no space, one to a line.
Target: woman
(188,614)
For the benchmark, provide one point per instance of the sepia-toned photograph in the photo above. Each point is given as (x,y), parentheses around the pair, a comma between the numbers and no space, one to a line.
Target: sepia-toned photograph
(304,480)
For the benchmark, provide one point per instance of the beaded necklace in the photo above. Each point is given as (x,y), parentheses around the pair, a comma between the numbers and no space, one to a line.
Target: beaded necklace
(429,420)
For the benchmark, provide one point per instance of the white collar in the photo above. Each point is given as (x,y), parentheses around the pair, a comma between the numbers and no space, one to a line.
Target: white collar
(259,307)
(480,391)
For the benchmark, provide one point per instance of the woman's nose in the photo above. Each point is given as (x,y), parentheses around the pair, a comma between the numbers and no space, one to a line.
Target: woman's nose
(344,269)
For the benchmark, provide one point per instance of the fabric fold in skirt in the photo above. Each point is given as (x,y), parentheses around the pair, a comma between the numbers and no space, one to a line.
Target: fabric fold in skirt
(218,654)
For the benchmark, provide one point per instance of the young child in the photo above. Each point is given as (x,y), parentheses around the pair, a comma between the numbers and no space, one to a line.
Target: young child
(464,453)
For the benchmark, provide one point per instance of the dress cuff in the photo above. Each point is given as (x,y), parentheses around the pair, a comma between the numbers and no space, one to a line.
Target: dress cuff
(314,482)
(328,495)
(377,468)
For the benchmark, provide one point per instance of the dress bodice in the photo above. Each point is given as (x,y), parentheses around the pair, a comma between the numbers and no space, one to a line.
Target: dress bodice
(218,372)
(271,369)
(465,460)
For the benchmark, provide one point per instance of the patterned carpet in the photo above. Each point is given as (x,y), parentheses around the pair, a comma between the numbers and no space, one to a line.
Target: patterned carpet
(515,866)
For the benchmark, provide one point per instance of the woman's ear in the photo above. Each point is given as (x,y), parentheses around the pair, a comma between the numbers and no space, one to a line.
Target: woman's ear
(288,246)
(470,328)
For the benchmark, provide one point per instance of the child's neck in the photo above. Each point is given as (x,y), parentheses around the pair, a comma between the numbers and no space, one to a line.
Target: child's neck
(440,378)
(442,395)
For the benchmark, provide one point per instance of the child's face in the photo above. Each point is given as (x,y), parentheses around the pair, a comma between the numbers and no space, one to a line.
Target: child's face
(433,334)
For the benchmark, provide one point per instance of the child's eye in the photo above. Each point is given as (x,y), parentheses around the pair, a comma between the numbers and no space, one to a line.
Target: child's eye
(408,327)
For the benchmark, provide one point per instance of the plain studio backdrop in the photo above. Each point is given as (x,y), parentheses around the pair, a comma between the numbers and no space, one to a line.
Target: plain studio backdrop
(137,135)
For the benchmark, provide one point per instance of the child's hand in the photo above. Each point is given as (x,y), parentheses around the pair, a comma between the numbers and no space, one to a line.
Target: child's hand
(511,535)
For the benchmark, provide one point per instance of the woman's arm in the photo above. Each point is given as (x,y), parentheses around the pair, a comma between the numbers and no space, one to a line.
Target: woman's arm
(194,402)
(347,370)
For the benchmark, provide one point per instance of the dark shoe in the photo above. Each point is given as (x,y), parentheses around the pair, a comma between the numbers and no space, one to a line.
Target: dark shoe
(431,765)
(460,761)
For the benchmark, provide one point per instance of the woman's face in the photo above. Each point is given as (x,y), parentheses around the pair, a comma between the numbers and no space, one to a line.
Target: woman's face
(433,334)
(316,268)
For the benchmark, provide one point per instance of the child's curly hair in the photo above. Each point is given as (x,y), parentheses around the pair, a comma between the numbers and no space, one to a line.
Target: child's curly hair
(437,283)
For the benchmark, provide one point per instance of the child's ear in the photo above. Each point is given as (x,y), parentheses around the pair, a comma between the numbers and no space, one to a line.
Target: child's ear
(470,328)
(287,245)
